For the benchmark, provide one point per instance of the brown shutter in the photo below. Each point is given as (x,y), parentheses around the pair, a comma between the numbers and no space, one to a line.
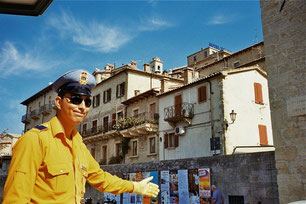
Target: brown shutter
(263,134)
(199,95)
(113,119)
(94,100)
(117,93)
(202,95)
(104,99)
(258,93)
(166,140)
(123,88)
(176,140)
(98,99)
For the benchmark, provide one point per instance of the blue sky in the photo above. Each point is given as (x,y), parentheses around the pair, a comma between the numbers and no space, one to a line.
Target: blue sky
(89,34)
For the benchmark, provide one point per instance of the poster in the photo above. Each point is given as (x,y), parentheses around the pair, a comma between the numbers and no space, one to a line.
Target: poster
(108,197)
(146,199)
(139,177)
(132,195)
(193,185)
(183,186)
(204,184)
(173,183)
(154,180)
(164,187)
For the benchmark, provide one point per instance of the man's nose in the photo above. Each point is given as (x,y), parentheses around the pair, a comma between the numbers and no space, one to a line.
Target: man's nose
(82,105)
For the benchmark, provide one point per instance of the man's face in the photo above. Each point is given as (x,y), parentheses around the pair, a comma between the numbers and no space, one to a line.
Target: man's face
(73,110)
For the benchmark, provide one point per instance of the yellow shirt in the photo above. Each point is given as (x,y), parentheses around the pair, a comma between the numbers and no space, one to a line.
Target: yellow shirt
(47,167)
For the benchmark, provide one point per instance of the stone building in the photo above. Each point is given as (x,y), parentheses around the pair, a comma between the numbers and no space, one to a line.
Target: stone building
(283,24)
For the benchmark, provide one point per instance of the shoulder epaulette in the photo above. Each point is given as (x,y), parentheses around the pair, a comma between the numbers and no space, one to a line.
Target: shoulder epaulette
(40,127)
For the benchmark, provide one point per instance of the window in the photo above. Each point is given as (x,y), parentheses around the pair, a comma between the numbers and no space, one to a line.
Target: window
(205,54)
(119,115)
(158,68)
(104,154)
(39,104)
(120,90)
(171,140)
(236,64)
(135,113)
(152,110)
(202,94)
(113,119)
(258,93)
(107,95)
(178,105)
(96,100)
(235,199)
(134,148)
(84,127)
(94,126)
(263,139)
(194,58)
(117,150)
(152,145)
(93,151)
(105,124)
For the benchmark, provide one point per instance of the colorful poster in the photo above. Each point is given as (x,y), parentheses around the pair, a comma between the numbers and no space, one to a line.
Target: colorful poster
(133,195)
(204,184)
(173,183)
(183,186)
(164,187)
(154,180)
(126,196)
(139,177)
(111,198)
(146,199)
(193,184)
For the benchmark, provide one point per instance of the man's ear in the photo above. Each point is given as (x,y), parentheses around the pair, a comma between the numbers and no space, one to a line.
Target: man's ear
(58,102)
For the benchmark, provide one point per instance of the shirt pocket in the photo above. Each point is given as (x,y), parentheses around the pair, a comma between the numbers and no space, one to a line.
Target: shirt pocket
(84,173)
(61,177)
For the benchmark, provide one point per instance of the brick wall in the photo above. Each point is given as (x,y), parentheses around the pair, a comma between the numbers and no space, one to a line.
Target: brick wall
(283,25)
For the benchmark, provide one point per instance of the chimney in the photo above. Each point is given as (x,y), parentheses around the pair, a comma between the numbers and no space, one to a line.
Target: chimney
(164,85)
(187,75)
(98,75)
(133,64)
(146,67)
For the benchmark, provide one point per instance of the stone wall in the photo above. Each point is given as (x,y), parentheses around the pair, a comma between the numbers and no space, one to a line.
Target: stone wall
(283,25)
(250,175)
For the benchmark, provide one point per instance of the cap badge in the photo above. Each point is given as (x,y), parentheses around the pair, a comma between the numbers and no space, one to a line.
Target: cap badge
(83,78)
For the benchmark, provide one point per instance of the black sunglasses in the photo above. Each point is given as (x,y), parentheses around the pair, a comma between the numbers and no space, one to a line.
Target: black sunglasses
(77,100)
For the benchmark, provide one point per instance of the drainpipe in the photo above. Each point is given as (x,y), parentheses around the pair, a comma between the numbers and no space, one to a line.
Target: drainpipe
(211,113)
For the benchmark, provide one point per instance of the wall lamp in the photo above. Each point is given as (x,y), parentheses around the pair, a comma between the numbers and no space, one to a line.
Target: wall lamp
(233,118)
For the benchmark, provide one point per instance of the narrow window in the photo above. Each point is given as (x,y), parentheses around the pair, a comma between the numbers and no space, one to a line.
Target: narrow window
(120,90)
(84,128)
(135,113)
(96,100)
(105,124)
(107,95)
(202,96)
(263,134)
(152,145)
(258,93)
(104,154)
(135,148)
(117,149)
(166,140)
(94,126)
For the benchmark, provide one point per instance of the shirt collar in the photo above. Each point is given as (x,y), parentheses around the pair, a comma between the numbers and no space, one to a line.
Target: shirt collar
(57,129)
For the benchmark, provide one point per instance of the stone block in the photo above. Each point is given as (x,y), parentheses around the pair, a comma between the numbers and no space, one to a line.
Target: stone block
(286,153)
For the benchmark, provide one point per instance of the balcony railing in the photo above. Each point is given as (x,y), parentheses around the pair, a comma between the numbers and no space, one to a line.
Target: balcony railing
(35,114)
(46,109)
(178,112)
(122,124)
(26,118)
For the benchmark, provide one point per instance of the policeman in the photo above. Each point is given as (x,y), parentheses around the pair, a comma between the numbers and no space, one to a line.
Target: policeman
(51,164)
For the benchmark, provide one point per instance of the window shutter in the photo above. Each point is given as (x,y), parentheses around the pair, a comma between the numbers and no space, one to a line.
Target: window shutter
(94,101)
(263,134)
(110,94)
(202,95)
(117,93)
(176,140)
(166,140)
(199,95)
(98,99)
(104,99)
(123,89)
(204,98)
(258,93)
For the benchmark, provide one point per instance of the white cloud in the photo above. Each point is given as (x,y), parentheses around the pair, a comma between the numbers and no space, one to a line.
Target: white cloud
(14,61)
(220,19)
(90,36)
(154,23)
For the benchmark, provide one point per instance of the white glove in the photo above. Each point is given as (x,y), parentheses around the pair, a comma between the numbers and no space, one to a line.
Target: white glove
(145,187)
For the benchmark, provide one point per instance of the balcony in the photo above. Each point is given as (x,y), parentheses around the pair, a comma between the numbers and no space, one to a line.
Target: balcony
(179,112)
(142,124)
(46,109)
(26,118)
(35,114)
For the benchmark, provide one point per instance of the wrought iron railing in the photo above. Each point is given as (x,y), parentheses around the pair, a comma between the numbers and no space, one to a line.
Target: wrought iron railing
(183,110)
(26,118)
(123,123)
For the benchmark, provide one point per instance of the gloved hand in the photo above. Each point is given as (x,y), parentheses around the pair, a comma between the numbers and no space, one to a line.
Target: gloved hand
(145,187)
